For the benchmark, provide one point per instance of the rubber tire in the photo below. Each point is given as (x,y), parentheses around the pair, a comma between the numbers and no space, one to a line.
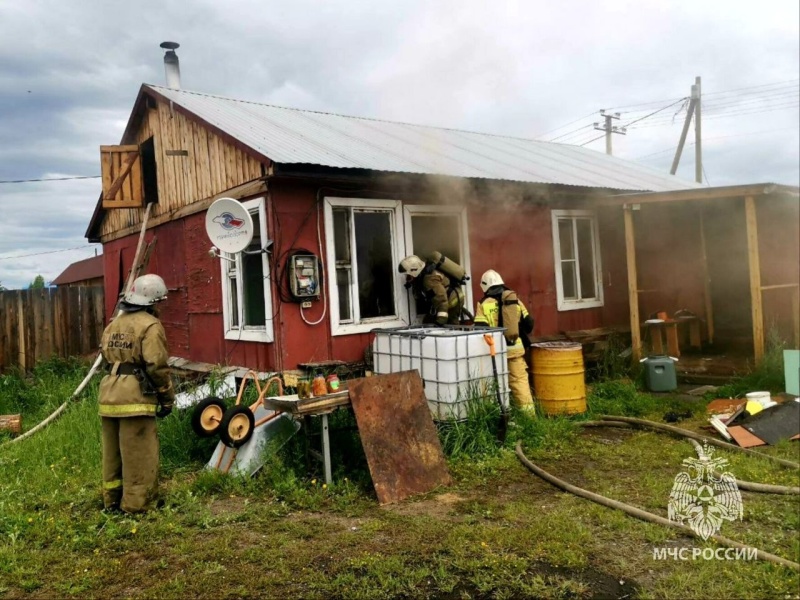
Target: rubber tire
(230,414)
(197,416)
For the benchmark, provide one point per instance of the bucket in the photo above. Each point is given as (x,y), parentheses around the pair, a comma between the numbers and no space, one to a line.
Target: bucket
(558,377)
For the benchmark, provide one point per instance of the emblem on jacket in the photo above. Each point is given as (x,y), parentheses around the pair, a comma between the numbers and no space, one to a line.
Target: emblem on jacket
(228,221)
(704,495)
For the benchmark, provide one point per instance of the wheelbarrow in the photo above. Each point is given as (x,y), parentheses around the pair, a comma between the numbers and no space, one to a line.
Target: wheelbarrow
(235,425)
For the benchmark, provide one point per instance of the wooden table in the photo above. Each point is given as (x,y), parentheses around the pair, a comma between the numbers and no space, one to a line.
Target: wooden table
(669,328)
(318,406)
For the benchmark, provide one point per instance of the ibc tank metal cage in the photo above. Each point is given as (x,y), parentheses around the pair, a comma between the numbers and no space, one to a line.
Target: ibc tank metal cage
(454,363)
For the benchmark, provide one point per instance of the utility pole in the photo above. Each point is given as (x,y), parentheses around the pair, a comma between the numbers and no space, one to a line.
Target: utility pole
(684,132)
(608,128)
(698,145)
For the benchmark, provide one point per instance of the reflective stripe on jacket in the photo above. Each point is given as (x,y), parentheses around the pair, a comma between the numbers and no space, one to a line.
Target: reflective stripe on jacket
(135,338)
(486,313)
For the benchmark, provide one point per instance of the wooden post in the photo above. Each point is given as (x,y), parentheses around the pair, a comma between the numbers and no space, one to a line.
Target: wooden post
(706,281)
(796,315)
(633,294)
(755,278)
(12,423)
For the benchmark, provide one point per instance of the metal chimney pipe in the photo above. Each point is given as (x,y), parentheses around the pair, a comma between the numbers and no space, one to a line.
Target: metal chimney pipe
(172,67)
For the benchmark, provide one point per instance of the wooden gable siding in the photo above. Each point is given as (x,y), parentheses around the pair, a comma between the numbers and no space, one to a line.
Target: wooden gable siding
(211,166)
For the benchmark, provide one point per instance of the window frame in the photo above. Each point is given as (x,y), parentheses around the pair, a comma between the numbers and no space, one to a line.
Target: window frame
(400,319)
(412,210)
(242,332)
(563,303)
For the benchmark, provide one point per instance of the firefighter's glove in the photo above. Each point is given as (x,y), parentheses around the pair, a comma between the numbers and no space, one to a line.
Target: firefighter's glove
(163,411)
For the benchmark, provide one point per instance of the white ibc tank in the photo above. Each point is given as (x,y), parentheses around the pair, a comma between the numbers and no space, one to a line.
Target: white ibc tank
(454,363)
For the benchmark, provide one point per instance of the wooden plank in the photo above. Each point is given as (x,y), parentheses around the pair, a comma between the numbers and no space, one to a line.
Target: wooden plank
(3,347)
(796,315)
(73,311)
(711,193)
(706,280)
(125,148)
(22,360)
(99,301)
(137,189)
(37,308)
(781,286)
(633,296)
(58,319)
(755,278)
(106,169)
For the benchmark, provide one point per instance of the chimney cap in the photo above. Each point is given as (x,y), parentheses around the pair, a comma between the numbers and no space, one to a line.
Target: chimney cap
(170,45)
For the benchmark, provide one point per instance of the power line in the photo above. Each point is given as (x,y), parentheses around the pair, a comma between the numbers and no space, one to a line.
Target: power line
(565,125)
(48,252)
(727,114)
(718,137)
(51,179)
(569,133)
(593,139)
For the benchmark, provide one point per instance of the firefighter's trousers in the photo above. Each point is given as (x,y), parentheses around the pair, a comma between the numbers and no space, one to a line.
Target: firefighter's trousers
(518,382)
(130,463)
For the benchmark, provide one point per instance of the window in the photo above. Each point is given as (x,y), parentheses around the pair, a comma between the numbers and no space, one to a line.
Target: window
(577,259)
(246,298)
(438,228)
(362,256)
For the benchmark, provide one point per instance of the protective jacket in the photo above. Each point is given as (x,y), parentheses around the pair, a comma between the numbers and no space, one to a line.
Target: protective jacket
(446,300)
(134,347)
(488,313)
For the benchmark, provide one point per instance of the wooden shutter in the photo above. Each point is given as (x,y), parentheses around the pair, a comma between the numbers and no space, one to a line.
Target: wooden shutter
(122,176)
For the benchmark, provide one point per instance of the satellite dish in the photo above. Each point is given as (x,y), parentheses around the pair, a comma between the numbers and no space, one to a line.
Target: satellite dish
(229,225)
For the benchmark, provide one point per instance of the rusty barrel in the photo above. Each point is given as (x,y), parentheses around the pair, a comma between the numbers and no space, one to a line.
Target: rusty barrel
(558,377)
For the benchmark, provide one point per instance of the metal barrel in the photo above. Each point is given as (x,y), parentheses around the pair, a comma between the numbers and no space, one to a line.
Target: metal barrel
(558,377)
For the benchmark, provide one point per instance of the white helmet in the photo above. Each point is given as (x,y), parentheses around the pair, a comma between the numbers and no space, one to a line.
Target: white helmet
(412,265)
(490,279)
(146,291)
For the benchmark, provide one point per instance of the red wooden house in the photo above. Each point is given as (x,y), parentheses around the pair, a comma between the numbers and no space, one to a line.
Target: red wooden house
(587,240)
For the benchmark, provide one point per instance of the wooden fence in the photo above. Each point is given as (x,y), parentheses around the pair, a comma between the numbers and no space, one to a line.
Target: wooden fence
(38,324)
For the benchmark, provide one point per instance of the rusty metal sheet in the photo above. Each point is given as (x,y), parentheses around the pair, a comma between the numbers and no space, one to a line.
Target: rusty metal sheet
(398,435)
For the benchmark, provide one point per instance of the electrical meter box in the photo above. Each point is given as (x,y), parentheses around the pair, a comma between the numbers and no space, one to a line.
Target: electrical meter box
(304,276)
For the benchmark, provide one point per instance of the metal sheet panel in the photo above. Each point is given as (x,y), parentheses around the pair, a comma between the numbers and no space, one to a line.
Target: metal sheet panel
(398,435)
(292,136)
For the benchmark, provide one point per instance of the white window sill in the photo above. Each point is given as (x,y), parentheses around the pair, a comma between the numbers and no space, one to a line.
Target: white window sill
(366,327)
(579,304)
(249,335)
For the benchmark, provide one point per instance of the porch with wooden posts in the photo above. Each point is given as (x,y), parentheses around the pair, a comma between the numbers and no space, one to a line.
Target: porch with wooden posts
(711,273)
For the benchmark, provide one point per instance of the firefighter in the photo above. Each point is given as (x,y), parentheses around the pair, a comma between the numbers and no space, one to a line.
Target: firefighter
(136,390)
(500,307)
(446,301)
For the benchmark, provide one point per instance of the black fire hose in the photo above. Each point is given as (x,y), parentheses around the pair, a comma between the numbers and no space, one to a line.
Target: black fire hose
(643,515)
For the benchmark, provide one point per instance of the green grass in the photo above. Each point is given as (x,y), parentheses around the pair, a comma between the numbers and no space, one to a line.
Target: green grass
(498,532)
(767,376)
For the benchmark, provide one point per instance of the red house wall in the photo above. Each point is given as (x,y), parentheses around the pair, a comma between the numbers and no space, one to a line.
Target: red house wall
(517,243)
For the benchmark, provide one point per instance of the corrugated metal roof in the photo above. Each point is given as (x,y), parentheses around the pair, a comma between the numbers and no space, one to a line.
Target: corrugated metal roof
(288,135)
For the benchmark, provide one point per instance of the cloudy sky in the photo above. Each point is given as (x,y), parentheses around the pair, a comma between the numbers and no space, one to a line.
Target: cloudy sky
(70,71)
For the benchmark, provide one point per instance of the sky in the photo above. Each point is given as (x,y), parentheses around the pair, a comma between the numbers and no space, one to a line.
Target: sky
(70,72)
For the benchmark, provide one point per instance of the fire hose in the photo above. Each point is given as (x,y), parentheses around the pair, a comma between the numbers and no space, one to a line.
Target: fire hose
(650,517)
(98,361)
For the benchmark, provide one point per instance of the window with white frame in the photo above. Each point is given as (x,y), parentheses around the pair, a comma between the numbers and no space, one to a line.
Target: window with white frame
(246,296)
(579,281)
(430,228)
(363,249)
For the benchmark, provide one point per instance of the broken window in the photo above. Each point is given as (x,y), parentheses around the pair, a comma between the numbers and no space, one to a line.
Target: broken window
(247,305)
(577,259)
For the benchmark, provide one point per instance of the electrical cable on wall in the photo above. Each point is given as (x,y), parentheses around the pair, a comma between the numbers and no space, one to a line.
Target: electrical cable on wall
(321,270)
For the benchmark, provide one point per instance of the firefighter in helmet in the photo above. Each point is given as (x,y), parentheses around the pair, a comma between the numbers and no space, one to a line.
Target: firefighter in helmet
(136,390)
(500,307)
(446,301)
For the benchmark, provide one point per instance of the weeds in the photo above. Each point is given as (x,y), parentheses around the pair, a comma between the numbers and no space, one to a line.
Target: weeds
(767,376)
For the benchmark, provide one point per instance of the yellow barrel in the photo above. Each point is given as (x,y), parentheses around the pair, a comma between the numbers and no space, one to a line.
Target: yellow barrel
(558,377)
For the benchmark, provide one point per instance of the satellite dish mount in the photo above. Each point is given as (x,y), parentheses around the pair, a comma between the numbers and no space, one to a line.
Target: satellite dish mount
(230,228)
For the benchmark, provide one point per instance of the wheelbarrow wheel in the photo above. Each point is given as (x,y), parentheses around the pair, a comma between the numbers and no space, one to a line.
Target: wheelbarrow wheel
(237,426)
(207,416)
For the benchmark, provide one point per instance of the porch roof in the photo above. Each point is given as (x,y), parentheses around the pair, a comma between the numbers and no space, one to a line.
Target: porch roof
(706,193)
